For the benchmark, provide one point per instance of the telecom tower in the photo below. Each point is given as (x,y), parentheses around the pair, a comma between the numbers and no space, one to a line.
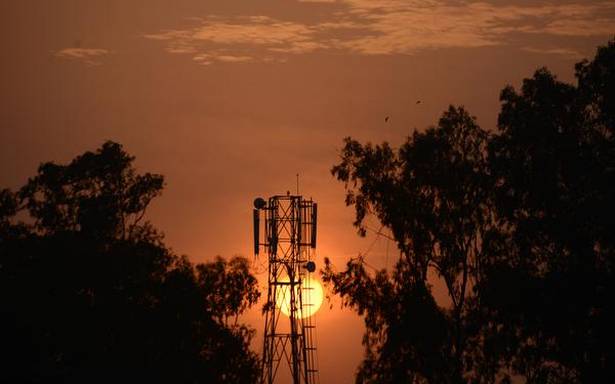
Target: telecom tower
(289,238)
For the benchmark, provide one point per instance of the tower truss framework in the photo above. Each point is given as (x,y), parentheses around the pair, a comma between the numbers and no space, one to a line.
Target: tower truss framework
(289,239)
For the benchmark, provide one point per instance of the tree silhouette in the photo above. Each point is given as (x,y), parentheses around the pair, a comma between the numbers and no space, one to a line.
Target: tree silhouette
(90,293)
(517,223)
(433,196)
(97,194)
(553,158)
(228,287)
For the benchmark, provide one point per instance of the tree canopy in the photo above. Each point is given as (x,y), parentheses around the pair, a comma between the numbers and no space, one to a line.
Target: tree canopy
(517,223)
(90,292)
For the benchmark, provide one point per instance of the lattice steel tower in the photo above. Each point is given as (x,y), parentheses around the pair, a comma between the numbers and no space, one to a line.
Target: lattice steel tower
(289,239)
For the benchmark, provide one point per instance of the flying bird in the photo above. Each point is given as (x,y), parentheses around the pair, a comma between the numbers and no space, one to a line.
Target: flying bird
(386,119)
(418,101)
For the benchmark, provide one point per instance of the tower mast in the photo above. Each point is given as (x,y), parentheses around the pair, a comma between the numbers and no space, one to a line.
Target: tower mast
(289,239)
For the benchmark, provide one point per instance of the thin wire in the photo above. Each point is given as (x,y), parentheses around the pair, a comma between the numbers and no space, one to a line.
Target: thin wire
(259,265)
(362,261)
(379,232)
(373,242)
(386,260)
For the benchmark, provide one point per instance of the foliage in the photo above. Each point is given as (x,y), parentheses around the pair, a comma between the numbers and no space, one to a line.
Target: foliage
(432,195)
(517,223)
(97,194)
(553,160)
(90,293)
(407,337)
(228,287)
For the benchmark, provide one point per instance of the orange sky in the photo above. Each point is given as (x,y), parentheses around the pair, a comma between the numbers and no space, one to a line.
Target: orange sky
(230,99)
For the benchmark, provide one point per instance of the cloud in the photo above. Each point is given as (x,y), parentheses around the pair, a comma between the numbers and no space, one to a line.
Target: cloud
(226,40)
(86,55)
(405,27)
(208,59)
(254,30)
(552,51)
(385,27)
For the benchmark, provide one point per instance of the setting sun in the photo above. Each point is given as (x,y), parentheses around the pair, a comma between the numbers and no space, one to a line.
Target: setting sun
(312,295)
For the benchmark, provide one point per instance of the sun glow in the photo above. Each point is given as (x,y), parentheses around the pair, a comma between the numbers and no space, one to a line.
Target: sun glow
(311,293)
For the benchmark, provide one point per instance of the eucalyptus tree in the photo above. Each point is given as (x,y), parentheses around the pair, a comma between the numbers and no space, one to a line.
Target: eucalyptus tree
(553,159)
(518,223)
(433,195)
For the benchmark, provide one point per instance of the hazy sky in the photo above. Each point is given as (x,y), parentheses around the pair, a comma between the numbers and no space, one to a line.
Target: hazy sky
(231,99)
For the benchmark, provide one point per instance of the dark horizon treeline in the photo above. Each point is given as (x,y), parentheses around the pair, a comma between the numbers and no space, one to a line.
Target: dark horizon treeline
(518,223)
(89,293)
